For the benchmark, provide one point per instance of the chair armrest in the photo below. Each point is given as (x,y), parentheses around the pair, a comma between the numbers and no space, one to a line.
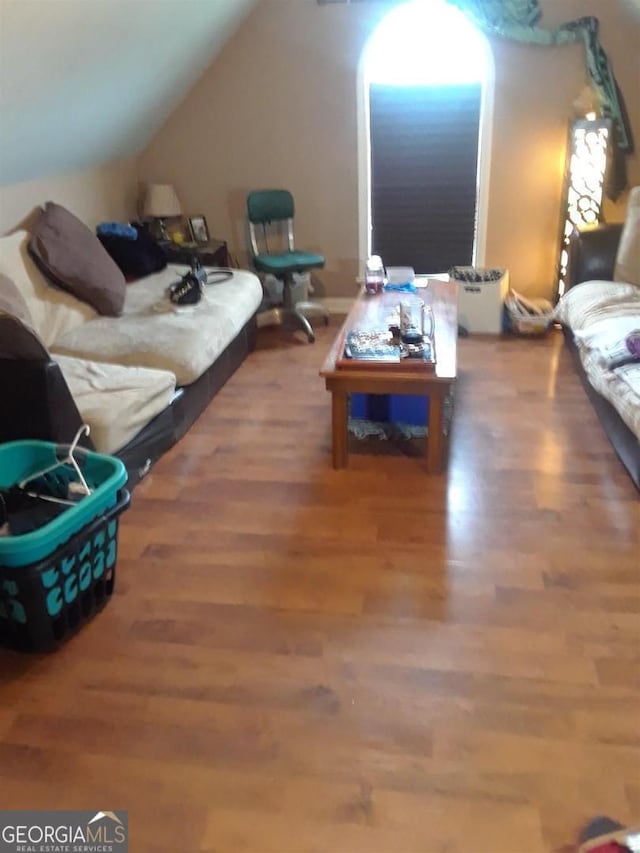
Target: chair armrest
(37,403)
(592,254)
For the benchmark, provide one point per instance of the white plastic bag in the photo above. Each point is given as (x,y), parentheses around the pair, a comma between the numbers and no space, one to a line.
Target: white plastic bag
(273,288)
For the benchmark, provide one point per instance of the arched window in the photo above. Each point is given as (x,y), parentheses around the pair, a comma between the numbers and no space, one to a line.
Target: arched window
(426,78)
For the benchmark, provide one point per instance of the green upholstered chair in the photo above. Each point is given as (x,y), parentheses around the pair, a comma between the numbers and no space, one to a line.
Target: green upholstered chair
(271,214)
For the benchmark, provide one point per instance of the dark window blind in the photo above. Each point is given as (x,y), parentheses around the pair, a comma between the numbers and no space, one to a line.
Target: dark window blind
(424,161)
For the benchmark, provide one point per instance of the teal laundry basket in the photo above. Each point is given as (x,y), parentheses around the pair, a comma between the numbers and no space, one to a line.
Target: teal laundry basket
(56,578)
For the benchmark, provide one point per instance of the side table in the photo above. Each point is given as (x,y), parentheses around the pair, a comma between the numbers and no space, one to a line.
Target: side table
(214,253)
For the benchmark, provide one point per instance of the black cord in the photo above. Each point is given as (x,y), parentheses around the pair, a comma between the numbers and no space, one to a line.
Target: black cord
(225,274)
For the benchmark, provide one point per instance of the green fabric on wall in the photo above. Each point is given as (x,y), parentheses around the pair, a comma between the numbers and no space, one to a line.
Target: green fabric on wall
(518,20)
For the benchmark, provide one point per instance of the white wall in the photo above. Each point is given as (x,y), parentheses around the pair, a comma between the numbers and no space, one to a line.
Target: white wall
(85,82)
(104,194)
(278,107)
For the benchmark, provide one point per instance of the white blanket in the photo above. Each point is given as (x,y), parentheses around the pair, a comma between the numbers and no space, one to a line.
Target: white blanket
(151,333)
(630,373)
(600,314)
(53,311)
(594,301)
(116,402)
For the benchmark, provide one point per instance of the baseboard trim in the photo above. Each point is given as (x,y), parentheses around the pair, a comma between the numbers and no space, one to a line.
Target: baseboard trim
(336,304)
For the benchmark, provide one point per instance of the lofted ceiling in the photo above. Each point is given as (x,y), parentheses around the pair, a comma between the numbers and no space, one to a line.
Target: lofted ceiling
(634,6)
(86,82)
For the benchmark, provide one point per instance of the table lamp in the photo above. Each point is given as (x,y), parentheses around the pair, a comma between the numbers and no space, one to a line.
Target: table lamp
(162,203)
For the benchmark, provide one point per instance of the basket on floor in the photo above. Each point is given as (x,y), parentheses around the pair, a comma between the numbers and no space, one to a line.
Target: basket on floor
(529,317)
(55,578)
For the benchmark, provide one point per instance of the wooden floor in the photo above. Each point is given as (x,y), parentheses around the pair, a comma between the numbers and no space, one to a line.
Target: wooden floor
(303,659)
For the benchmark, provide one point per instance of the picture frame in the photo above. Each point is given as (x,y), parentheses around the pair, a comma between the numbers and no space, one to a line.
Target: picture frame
(199,229)
(179,231)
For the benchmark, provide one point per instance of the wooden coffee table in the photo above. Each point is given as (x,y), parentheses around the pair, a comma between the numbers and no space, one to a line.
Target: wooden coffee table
(432,381)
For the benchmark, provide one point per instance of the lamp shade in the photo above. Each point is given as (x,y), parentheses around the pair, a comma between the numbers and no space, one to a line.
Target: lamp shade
(161,201)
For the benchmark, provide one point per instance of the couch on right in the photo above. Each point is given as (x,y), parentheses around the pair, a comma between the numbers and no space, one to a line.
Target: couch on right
(600,312)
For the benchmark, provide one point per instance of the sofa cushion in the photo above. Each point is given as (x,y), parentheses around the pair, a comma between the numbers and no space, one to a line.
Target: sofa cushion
(116,402)
(12,301)
(593,301)
(53,312)
(18,339)
(627,265)
(73,257)
(621,387)
(154,333)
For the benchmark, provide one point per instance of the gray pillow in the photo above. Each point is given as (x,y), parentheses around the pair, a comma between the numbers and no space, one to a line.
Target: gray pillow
(71,255)
(17,337)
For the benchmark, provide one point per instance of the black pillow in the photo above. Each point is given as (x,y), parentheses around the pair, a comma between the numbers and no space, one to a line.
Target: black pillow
(136,258)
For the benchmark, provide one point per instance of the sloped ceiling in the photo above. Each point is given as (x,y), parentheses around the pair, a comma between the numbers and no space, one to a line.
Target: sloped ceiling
(86,82)
(634,6)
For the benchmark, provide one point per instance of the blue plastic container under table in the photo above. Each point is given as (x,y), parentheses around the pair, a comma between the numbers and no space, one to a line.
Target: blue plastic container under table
(395,408)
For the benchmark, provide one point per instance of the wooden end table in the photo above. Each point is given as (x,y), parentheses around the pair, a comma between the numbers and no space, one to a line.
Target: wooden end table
(434,382)
(212,254)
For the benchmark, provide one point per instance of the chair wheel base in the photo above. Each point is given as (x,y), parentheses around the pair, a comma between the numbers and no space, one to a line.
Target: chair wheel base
(286,317)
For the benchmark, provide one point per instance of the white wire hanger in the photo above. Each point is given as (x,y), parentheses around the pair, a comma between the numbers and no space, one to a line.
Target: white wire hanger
(80,487)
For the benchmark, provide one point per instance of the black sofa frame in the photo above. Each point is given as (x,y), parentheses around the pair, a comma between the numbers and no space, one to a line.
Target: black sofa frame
(37,404)
(592,255)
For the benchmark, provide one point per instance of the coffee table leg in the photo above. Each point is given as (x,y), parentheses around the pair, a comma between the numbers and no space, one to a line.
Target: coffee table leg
(435,442)
(339,428)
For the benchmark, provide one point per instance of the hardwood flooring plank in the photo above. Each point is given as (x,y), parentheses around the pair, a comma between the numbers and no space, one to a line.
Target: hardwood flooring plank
(517,829)
(300,659)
